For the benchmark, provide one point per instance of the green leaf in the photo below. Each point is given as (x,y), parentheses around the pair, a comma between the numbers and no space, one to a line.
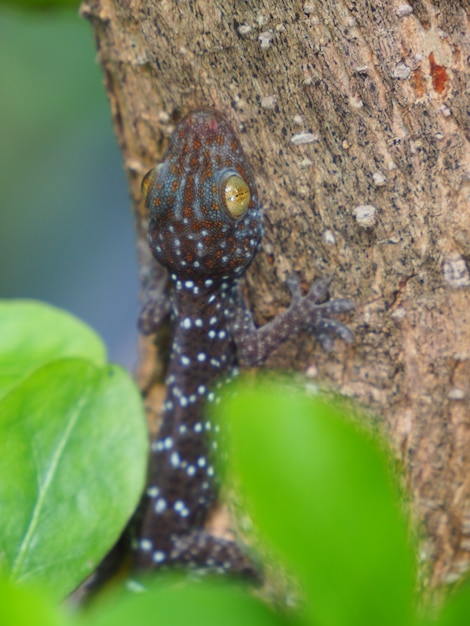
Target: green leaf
(456,611)
(33,334)
(320,489)
(40,4)
(72,467)
(203,604)
(21,606)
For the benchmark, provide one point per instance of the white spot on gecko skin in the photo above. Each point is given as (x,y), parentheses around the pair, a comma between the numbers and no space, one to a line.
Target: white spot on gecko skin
(183,401)
(191,470)
(198,322)
(201,357)
(201,461)
(182,429)
(159,556)
(208,282)
(145,544)
(160,505)
(201,390)
(211,334)
(186,323)
(197,427)
(210,470)
(168,443)
(175,459)
(210,396)
(212,321)
(179,505)
(153,492)
(185,360)
(189,284)
(222,334)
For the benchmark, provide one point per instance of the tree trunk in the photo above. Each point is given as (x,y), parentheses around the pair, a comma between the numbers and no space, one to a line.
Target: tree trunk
(355,117)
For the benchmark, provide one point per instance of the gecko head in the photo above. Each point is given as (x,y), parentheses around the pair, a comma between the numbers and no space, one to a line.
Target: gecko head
(204,216)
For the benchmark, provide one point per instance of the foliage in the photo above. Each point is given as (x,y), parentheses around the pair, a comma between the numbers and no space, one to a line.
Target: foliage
(74,447)
(41,4)
(319,490)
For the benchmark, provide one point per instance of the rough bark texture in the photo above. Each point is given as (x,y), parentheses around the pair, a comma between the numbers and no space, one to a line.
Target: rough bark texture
(341,105)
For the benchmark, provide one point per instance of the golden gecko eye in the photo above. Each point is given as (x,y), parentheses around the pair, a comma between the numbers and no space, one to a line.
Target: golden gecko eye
(235,194)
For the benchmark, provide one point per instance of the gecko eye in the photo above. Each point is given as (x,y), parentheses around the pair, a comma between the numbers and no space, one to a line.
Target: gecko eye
(235,194)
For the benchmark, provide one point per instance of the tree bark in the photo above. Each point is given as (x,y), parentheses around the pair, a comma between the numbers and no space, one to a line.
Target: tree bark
(355,116)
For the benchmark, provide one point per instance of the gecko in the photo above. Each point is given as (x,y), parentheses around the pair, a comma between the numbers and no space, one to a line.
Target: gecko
(205,228)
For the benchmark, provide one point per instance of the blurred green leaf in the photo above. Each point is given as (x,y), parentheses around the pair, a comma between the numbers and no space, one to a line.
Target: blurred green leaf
(72,466)
(21,606)
(40,4)
(33,334)
(321,491)
(201,604)
(456,611)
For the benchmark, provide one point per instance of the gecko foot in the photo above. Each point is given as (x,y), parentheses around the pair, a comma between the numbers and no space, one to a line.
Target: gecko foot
(201,550)
(314,314)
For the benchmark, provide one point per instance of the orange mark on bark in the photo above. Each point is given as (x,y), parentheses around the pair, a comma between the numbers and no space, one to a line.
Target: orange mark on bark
(439,76)
(418,83)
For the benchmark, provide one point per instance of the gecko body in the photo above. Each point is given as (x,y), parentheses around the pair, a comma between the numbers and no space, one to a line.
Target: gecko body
(205,229)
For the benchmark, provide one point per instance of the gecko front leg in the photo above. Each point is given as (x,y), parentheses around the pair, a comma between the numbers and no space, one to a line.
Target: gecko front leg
(309,312)
(157,304)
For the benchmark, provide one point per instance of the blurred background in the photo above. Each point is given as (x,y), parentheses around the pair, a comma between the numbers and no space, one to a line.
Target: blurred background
(66,230)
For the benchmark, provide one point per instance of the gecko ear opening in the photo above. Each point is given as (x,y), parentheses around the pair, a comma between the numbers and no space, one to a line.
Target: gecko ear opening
(235,194)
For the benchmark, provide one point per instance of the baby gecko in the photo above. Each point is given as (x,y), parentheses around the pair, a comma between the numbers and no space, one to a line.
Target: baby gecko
(205,229)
